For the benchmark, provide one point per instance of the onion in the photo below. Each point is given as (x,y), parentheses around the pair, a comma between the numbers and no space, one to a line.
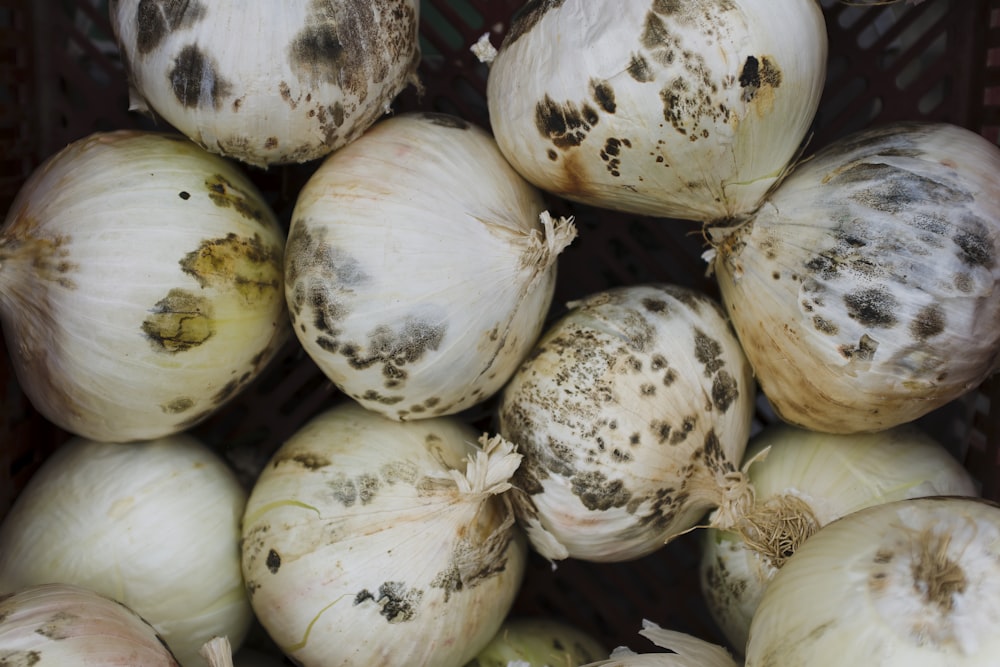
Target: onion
(140,285)
(686,651)
(528,641)
(631,413)
(678,109)
(803,480)
(154,525)
(364,543)
(264,83)
(911,582)
(54,625)
(420,267)
(865,290)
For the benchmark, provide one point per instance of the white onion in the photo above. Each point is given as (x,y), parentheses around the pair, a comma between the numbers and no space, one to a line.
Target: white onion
(55,625)
(908,583)
(154,525)
(140,285)
(365,543)
(803,480)
(678,109)
(685,651)
(632,413)
(866,290)
(267,83)
(420,267)
(538,641)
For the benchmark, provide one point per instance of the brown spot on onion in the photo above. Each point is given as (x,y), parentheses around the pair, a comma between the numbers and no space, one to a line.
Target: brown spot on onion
(196,81)
(179,322)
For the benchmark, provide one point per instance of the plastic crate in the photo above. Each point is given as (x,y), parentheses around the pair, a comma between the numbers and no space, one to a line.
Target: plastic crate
(60,79)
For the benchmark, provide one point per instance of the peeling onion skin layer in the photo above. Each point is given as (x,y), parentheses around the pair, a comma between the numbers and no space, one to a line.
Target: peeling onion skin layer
(539,641)
(420,267)
(266,85)
(907,583)
(866,290)
(632,413)
(55,625)
(360,546)
(154,525)
(141,285)
(819,477)
(686,110)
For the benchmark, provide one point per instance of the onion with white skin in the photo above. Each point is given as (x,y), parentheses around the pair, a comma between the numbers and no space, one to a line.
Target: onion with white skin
(140,285)
(154,525)
(902,584)
(803,480)
(685,651)
(265,83)
(54,625)
(632,413)
(372,541)
(866,289)
(686,110)
(420,267)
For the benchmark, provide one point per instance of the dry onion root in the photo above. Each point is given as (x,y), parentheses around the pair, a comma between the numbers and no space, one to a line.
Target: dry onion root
(866,289)
(632,414)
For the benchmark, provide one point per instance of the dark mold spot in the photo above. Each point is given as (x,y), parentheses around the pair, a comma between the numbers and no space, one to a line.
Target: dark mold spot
(756,74)
(874,307)
(929,322)
(707,351)
(397,603)
(184,195)
(864,351)
(603,94)
(975,245)
(196,81)
(394,350)
(157,19)
(565,125)
(179,322)
(527,17)
(824,325)
(597,492)
(639,69)
(308,460)
(724,390)
(273,561)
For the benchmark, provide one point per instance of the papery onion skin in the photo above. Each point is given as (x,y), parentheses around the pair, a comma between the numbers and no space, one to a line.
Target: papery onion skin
(420,267)
(685,650)
(266,85)
(155,525)
(361,547)
(632,413)
(820,477)
(140,285)
(911,582)
(686,110)
(54,625)
(865,289)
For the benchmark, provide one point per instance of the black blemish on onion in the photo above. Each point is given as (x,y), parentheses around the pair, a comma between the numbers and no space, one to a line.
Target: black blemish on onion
(155,20)
(273,561)
(194,69)
(639,69)
(396,602)
(929,322)
(597,492)
(566,125)
(225,194)
(725,390)
(603,94)
(527,17)
(873,307)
